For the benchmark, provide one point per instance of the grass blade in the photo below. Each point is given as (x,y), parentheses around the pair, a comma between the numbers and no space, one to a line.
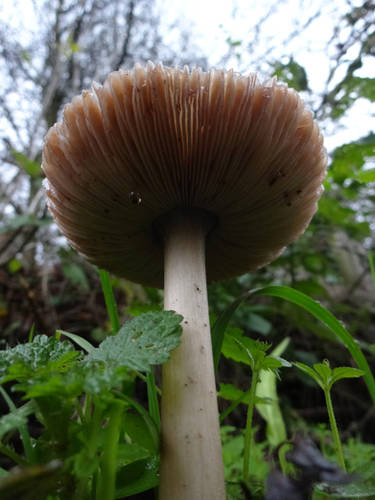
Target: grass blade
(371,260)
(267,388)
(23,430)
(152,396)
(109,300)
(83,343)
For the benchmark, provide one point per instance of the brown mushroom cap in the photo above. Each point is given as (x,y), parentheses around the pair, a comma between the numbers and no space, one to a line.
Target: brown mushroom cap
(156,139)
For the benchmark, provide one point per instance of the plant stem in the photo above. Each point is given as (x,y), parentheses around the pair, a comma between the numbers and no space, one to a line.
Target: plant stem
(334,429)
(232,407)
(109,300)
(95,422)
(152,396)
(9,452)
(191,460)
(249,422)
(23,430)
(107,480)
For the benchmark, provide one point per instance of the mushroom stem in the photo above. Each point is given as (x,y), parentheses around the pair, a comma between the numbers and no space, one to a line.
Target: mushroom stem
(191,461)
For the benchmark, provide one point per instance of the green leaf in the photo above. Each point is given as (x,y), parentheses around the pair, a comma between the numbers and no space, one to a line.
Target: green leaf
(33,168)
(349,158)
(138,308)
(100,380)
(324,371)
(16,419)
(139,431)
(80,341)
(292,73)
(109,300)
(310,372)
(311,287)
(350,89)
(325,376)
(152,430)
(272,363)
(345,372)
(23,220)
(136,477)
(235,348)
(232,393)
(76,275)
(29,357)
(355,490)
(366,176)
(14,265)
(131,452)
(142,342)
(333,211)
(74,47)
(258,324)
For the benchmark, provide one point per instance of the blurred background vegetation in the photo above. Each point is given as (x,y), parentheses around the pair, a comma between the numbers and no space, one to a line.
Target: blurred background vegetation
(52,49)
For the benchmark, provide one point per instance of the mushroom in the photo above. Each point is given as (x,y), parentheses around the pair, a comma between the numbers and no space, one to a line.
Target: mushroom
(177,177)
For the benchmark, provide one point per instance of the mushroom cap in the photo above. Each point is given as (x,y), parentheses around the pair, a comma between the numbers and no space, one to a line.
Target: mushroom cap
(156,139)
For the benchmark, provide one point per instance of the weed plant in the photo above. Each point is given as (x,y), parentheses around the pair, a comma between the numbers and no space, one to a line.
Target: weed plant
(76,430)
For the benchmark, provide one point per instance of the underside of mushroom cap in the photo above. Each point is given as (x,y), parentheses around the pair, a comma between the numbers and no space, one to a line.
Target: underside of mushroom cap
(155,139)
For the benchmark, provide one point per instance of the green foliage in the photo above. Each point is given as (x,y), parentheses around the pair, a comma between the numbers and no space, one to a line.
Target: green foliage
(355,490)
(229,348)
(349,159)
(76,275)
(325,376)
(233,449)
(19,221)
(15,419)
(25,359)
(72,394)
(366,176)
(109,300)
(291,73)
(142,342)
(330,321)
(30,166)
(352,89)
(250,352)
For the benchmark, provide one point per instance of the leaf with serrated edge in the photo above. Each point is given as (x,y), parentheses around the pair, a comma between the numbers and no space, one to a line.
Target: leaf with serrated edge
(142,342)
(34,355)
(15,419)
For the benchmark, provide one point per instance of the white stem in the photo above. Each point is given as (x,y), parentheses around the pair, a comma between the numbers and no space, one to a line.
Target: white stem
(191,461)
